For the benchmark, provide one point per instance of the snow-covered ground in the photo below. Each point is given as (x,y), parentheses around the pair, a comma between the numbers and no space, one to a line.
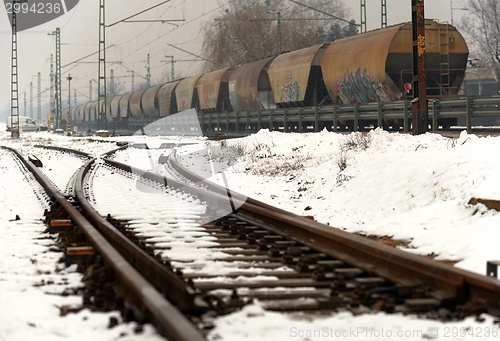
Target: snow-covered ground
(31,277)
(414,188)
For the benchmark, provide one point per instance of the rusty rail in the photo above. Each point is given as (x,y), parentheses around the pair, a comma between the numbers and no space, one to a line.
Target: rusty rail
(167,319)
(448,283)
(170,285)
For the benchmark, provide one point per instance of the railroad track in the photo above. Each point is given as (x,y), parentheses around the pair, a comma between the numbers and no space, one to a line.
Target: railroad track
(137,298)
(465,292)
(289,263)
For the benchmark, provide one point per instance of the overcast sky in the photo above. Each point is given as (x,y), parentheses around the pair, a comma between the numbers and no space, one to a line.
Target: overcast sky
(133,41)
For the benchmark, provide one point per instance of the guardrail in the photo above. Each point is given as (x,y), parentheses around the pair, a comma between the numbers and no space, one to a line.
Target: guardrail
(443,112)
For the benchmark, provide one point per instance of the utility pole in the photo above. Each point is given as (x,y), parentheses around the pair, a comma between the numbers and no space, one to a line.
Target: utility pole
(420,111)
(363,16)
(69,78)
(52,98)
(172,67)
(132,88)
(14,108)
(90,90)
(384,14)
(39,99)
(31,100)
(148,73)
(278,19)
(102,121)
(455,8)
(57,77)
(112,82)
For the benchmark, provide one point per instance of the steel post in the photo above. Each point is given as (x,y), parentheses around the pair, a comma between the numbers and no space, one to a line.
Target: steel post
(420,111)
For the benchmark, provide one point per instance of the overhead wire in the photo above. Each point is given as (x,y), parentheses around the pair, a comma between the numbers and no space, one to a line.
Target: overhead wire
(148,43)
(180,26)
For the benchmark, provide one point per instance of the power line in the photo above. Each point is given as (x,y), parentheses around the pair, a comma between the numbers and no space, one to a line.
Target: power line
(163,35)
(325,13)
(192,54)
(76,61)
(163,21)
(134,15)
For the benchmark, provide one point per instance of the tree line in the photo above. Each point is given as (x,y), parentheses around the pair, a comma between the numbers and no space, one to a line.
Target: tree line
(250,30)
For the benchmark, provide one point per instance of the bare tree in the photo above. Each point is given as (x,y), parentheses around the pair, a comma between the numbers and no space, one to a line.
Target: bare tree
(482,25)
(114,88)
(248,29)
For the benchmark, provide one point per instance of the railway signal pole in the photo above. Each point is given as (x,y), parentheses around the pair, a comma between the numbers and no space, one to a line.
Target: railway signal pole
(14,103)
(31,100)
(57,78)
(383,4)
(101,89)
(384,14)
(52,98)
(420,111)
(172,67)
(278,19)
(69,78)
(112,83)
(148,73)
(39,99)
(363,16)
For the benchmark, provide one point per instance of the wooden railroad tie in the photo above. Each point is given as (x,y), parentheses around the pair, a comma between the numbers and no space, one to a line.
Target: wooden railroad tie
(60,225)
(77,254)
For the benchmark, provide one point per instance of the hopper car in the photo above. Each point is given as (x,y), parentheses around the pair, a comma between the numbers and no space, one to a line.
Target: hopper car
(369,67)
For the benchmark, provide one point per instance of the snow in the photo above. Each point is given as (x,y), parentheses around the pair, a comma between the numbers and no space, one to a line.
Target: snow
(413,188)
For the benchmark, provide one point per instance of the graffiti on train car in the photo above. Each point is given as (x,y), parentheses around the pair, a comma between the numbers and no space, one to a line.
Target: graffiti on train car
(357,87)
(290,92)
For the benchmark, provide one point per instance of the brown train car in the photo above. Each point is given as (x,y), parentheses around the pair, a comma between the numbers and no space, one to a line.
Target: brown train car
(375,66)
(124,106)
(213,91)
(73,115)
(149,102)
(167,104)
(250,87)
(186,95)
(135,104)
(108,108)
(296,78)
(86,112)
(93,111)
(115,107)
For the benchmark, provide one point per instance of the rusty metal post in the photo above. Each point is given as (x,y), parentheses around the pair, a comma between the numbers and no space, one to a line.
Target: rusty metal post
(420,111)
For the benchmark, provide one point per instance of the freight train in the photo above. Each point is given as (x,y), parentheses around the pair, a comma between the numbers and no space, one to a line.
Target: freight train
(371,67)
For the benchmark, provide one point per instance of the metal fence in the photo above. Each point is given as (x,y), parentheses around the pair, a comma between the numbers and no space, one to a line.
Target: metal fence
(443,113)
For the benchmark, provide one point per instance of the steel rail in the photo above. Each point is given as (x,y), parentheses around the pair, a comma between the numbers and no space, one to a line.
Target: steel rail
(449,283)
(169,284)
(166,318)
